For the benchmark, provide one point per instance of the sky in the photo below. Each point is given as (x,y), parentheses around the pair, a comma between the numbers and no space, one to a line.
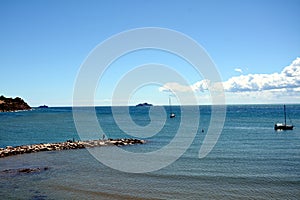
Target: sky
(255,46)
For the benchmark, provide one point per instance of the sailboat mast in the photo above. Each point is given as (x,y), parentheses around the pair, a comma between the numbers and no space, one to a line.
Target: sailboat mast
(284,115)
(170,104)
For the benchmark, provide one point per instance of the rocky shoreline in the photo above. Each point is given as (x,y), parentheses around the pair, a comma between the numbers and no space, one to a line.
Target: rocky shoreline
(10,151)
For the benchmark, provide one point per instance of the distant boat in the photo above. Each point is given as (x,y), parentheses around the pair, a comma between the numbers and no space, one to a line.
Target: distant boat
(283,126)
(43,106)
(172,114)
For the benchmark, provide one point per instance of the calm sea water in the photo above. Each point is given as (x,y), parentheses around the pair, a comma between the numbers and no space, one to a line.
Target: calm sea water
(249,161)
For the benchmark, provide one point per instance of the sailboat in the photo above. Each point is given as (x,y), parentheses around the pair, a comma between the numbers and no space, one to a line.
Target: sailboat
(281,126)
(172,115)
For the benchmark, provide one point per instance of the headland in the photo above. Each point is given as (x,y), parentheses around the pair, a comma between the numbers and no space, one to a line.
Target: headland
(12,104)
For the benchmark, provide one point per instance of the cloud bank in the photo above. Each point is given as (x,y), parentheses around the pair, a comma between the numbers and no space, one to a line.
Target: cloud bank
(287,80)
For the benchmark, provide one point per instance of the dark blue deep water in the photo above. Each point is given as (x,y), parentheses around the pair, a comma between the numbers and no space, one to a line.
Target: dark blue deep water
(249,161)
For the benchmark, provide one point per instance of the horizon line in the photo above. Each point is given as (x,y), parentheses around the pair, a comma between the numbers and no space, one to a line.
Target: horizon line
(230,104)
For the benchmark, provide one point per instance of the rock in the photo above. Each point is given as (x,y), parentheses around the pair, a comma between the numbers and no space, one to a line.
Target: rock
(25,170)
(144,104)
(10,104)
(28,170)
(9,150)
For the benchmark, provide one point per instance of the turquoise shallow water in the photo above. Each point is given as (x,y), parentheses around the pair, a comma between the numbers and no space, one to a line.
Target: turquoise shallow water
(249,161)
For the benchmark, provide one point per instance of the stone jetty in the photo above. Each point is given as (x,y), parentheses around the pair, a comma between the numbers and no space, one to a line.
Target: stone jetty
(69,144)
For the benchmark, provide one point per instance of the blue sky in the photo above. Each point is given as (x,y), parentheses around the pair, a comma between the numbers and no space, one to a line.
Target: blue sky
(44,43)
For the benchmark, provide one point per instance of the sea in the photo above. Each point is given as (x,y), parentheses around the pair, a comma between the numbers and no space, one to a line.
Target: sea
(249,159)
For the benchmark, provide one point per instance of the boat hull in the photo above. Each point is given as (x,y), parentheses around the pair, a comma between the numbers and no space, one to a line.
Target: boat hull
(283,127)
(172,115)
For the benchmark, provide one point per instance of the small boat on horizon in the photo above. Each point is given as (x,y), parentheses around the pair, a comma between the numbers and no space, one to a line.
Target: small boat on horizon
(283,126)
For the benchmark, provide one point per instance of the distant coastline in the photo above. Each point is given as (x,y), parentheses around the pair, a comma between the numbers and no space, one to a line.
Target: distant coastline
(12,104)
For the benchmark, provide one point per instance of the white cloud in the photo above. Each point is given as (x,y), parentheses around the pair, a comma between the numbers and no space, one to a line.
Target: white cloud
(176,87)
(287,82)
(238,70)
(289,78)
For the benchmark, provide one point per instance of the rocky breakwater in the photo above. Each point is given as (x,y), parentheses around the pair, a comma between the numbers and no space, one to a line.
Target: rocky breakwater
(10,151)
